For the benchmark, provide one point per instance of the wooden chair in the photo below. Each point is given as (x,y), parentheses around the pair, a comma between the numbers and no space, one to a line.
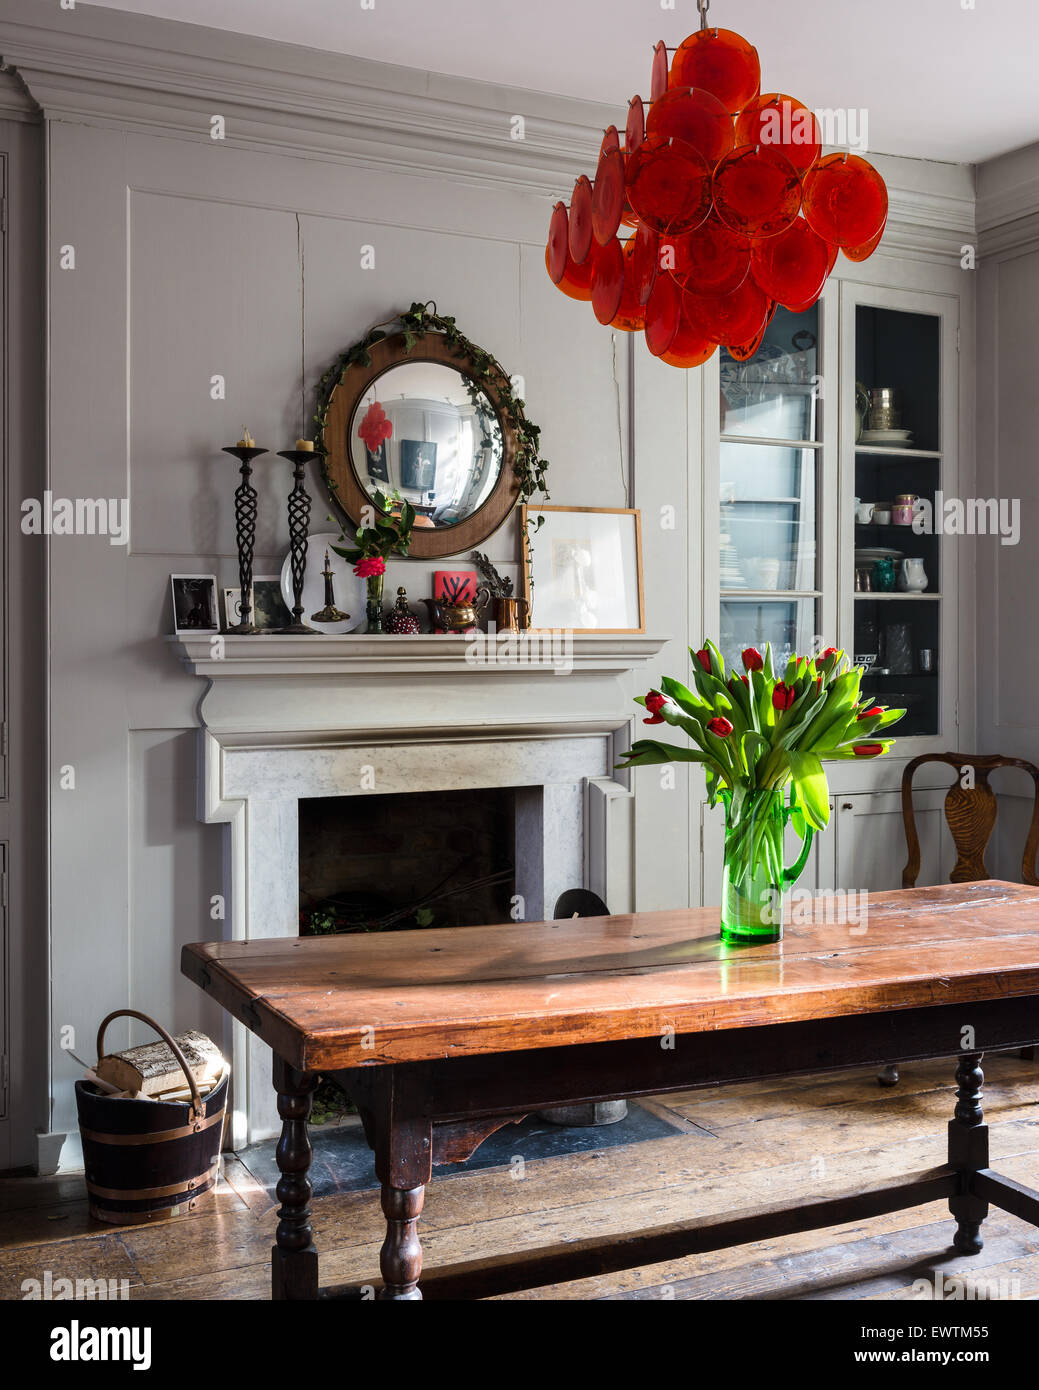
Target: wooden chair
(970,813)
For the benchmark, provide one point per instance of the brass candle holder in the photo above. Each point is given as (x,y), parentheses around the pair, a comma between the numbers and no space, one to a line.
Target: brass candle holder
(299,520)
(245,509)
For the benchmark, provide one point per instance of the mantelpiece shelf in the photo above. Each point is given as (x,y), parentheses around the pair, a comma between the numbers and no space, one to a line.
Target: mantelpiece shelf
(424,653)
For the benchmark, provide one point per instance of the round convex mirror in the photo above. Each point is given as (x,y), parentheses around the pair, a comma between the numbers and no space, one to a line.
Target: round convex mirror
(423,432)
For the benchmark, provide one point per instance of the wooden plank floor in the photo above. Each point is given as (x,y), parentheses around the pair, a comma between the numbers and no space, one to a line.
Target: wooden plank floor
(738,1146)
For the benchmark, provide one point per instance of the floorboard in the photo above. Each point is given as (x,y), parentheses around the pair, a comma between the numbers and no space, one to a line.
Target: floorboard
(731,1147)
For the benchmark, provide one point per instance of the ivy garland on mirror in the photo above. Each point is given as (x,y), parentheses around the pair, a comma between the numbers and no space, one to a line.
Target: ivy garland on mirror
(415,324)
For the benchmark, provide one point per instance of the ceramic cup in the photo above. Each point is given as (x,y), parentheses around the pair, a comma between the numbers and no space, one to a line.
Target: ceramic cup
(881,518)
(864,513)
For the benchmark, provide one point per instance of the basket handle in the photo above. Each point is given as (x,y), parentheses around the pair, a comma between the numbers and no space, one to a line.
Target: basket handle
(197,1104)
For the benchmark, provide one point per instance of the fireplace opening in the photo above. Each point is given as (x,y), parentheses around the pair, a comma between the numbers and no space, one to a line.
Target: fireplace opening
(402,861)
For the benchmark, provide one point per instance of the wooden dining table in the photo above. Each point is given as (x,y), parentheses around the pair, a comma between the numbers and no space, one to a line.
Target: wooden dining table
(442,1036)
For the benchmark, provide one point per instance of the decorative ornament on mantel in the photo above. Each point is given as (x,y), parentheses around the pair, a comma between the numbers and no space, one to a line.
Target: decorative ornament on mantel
(728,206)
(761,739)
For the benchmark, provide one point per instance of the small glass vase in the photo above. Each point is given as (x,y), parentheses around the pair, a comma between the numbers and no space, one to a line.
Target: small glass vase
(754,879)
(374,603)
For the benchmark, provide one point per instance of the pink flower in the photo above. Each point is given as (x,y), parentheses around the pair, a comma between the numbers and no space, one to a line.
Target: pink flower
(370,567)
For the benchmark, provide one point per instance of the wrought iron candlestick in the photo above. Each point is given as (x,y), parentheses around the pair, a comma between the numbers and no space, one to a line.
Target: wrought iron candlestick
(299,520)
(245,533)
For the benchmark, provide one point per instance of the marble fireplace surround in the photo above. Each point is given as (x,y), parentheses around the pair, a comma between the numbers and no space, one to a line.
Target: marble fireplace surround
(288,718)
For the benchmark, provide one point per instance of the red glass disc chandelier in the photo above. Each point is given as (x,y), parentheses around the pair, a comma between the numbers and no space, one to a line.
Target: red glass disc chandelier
(716,206)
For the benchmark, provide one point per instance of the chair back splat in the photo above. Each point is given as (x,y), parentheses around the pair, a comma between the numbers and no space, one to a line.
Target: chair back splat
(970,813)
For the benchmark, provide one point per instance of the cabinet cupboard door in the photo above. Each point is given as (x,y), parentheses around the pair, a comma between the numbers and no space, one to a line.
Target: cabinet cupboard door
(871,841)
(818,872)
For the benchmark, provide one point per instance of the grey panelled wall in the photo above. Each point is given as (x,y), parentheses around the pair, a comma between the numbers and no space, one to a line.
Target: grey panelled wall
(192,261)
(242,258)
(1008,589)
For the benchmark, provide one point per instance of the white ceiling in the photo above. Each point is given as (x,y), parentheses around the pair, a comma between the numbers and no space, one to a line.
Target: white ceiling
(938,80)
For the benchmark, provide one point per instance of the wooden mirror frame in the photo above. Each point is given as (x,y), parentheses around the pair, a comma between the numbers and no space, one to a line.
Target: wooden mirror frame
(344,486)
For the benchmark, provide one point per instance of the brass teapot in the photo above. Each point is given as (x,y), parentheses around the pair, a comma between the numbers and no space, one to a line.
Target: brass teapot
(457,617)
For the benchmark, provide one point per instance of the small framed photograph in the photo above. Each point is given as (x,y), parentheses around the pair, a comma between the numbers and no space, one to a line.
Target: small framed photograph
(194,603)
(583,571)
(269,609)
(232,607)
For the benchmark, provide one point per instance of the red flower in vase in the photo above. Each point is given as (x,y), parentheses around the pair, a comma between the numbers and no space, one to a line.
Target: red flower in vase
(752,659)
(654,703)
(721,727)
(370,567)
(867,750)
(869,713)
(783,696)
(704,658)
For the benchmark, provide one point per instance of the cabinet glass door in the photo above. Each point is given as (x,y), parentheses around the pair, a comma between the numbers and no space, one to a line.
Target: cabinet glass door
(769,478)
(898,564)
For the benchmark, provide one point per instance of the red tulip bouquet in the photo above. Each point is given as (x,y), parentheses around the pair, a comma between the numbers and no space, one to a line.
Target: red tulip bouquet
(761,740)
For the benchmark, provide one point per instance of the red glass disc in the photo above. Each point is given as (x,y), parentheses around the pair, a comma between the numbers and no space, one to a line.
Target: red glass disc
(695,117)
(712,260)
(558,247)
(663,313)
(743,352)
(722,63)
(863,252)
(635,130)
(658,79)
(784,123)
(845,200)
(690,346)
(791,267)
(581,220)
(645,262)
(731,318)
(607,281)
(608,196)
(756,191)
(631,315)
(610,141)
(576,280)
(669,185)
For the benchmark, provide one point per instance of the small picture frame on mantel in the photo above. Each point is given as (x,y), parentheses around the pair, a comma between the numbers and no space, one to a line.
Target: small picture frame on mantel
(194,603)
(582,570)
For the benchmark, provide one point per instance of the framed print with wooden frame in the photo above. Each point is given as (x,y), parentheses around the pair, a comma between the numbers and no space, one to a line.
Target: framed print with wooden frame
(582,569)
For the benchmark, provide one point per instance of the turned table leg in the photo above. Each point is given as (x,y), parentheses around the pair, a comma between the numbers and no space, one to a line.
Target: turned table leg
(968,1151)
(294,1258)
(400,1258)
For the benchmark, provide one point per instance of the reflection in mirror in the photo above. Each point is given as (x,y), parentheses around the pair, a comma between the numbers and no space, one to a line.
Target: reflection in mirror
(424,433)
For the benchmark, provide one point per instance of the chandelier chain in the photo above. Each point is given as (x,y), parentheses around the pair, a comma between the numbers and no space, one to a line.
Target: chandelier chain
(703,6)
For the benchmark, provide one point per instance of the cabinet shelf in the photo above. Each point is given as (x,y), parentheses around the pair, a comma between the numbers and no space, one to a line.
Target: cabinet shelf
(877,596)
(892,455)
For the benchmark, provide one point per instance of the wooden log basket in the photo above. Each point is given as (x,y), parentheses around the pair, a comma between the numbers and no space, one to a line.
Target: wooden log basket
(148,1159)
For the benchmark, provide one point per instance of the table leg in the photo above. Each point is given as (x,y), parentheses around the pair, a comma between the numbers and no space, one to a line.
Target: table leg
(400,1258)
(968,1151)
(294,1258)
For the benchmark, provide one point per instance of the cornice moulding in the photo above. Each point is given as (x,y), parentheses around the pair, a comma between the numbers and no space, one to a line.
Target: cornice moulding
(154,75)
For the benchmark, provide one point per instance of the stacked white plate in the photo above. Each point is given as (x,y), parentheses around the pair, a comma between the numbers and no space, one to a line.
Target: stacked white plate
(888,439)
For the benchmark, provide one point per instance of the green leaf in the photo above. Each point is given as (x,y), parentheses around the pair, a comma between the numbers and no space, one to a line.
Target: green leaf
(812,792)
